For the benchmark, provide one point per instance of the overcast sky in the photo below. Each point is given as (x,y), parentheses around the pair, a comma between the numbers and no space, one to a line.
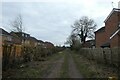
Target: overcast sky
(50,20)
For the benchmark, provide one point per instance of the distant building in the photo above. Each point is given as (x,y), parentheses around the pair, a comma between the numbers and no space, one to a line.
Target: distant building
(89,44)
(48,45)
(15,38)
(100,37)
(24,37)
(109,36)
(32,41)
(40,43)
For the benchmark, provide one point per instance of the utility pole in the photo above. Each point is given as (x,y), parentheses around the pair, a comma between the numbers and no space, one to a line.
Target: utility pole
(112,3)
(119,5)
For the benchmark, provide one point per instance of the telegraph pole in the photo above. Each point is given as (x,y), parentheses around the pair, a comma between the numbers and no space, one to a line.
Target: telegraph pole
(112,3)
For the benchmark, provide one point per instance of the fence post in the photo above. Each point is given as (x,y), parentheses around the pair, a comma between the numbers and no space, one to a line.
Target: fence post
(111,60)
(104,56)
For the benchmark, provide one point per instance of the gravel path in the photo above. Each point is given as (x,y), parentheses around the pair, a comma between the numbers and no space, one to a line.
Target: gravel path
(73,72)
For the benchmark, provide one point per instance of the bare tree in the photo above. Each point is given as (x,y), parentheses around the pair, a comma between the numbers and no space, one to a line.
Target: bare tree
(17,24)
(73,41)
(84,28)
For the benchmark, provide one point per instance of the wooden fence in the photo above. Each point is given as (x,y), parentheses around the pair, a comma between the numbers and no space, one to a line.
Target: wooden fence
(106,56)
(16,54)
(10,54)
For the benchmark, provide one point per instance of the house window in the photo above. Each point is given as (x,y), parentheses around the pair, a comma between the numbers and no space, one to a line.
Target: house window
(26,36)
(23,35)
(22,41)
(9,38)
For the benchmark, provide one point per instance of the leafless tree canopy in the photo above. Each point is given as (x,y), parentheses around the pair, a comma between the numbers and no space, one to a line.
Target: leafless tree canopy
(84,28)
(71,39)
(17,24)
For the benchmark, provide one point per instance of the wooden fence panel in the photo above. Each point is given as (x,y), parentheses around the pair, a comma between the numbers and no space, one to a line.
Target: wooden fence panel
(106,56)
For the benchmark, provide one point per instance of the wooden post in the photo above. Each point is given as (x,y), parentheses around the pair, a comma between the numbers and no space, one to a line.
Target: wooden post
(111,59)
(104,56)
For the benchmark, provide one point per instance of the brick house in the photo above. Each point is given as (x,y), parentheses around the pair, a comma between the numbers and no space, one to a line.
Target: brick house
(89,44)
(48,45)
(27,40)
(108,36)
(24,37)
(40,43)
(32,41)
(15,38)
(5,37)
(19,39)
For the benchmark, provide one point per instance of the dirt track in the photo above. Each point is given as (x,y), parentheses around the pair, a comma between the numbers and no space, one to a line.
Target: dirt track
(55,70)
(73,72)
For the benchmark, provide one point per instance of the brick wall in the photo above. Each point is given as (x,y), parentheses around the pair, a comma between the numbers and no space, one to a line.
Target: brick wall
(114,41)
(100,38)
(111,25)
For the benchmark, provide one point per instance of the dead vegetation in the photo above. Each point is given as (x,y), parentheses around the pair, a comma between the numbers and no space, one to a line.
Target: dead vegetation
(92,69)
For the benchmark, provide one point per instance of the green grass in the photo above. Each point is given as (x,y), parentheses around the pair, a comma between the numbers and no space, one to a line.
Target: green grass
(64,68)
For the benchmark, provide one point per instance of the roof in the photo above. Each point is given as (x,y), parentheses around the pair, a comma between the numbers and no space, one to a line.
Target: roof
(20,33)
(32,38)
(90,41)
(4,32)
(40,41)
(100,30)
(48,43)
(113,10)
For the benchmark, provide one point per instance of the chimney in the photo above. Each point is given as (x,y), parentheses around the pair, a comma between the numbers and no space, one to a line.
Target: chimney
(119,5)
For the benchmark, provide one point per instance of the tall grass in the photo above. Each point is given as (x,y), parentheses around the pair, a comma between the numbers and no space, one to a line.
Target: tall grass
(91,69)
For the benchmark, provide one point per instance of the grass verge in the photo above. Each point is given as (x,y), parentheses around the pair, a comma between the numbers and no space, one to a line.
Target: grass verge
(90,69)
(35,69)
